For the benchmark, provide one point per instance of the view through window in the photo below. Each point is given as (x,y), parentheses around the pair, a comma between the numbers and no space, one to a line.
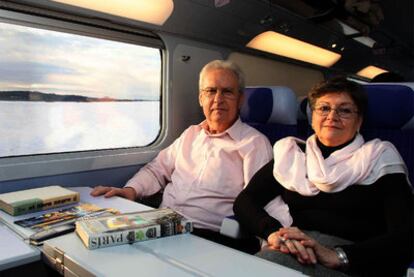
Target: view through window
(62,92)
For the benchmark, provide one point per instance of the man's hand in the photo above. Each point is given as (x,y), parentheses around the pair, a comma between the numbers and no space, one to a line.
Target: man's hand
(128,193)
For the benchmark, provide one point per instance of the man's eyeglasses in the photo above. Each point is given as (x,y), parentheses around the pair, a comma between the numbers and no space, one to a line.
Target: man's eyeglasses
(228,93)
(342,111)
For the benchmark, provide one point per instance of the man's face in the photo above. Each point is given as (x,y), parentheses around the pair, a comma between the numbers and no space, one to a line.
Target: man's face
(220,99)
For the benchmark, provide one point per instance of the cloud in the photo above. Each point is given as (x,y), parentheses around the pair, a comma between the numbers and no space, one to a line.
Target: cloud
(29,72)
(66,63)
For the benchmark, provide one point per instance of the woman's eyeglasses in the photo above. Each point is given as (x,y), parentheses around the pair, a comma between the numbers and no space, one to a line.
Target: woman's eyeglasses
(342,111)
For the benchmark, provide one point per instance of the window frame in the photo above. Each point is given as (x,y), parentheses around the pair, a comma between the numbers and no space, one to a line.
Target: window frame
(30,166)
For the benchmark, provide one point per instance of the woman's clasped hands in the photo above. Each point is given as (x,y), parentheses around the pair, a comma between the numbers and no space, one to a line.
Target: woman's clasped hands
(292,240)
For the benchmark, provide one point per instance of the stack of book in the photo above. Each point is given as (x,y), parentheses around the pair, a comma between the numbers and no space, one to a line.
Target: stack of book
(131,227)
(56,223)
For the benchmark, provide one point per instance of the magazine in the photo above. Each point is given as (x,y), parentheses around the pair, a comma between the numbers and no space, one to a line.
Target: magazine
(64,216)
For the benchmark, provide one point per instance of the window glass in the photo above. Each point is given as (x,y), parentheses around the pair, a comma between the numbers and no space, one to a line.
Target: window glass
(62,92)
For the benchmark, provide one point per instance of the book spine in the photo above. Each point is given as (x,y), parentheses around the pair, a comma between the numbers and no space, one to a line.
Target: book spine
(36,204)
(124,237)
(5,207)
(176,226)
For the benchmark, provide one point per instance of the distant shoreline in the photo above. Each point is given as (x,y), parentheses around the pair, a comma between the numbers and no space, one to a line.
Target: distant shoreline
(36,96)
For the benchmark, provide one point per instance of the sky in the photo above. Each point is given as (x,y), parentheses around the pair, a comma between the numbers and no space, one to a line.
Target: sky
(53,62)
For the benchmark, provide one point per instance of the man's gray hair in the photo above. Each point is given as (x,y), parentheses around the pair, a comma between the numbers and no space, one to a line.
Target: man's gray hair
(222,64)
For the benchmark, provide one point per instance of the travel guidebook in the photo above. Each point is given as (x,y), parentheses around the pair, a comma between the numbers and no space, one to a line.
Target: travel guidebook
(131,227)
(38,199)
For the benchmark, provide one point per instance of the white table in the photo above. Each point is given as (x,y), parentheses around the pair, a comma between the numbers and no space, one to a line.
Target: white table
(14,251)
(181,255)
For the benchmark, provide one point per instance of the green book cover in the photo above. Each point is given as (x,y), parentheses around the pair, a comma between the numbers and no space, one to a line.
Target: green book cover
(33,200)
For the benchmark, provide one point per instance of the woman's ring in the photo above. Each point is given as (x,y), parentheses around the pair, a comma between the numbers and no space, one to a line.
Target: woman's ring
(282,240)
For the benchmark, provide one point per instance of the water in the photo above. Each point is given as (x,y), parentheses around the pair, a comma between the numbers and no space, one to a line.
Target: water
(50,127)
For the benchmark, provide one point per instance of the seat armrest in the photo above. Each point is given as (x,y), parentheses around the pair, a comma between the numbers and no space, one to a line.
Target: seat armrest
(410,270)
(230,227)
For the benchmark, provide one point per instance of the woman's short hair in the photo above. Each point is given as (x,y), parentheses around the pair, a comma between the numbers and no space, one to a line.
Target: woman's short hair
(340,85)
(222,64)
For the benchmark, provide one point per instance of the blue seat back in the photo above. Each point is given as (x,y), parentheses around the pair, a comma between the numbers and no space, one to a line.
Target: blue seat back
(390,116)
(272,110)
(304,119)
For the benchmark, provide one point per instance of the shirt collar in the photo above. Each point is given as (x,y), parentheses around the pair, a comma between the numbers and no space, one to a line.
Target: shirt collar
(234,131)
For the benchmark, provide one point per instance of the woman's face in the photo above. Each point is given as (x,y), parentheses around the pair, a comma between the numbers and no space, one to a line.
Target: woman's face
(335,119)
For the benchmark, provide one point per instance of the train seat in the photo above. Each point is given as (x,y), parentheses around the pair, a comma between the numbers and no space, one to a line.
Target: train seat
(390,117)
(304,119)
(272,110)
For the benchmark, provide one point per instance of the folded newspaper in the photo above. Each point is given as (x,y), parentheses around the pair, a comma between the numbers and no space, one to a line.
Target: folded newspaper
(131,227)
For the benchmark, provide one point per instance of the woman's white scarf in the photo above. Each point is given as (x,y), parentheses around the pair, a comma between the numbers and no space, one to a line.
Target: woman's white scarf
(309,173)
(357,163)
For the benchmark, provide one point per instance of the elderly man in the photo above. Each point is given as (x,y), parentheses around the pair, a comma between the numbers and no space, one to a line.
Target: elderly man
(204,170)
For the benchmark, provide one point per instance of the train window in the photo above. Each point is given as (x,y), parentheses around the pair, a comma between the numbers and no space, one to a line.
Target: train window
(62,92)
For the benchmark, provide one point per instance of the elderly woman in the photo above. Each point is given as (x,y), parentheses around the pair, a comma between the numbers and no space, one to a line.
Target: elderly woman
(350,200)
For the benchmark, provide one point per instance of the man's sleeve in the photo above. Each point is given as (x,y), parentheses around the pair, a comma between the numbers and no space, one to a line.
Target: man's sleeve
(155,175)
(259,154)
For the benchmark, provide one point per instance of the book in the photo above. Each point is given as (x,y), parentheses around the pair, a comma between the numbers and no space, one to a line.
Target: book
(38,199)
(38,238)
(131,227)
(64,216)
